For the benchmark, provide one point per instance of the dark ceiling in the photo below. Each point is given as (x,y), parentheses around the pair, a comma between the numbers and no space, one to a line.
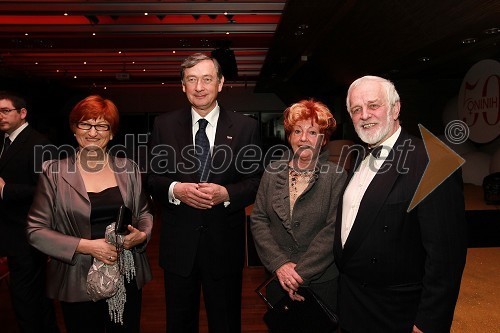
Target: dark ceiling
(291,48)
(322,46)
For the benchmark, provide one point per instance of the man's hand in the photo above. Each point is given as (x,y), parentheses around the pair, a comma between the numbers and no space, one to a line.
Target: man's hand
(191,195)
(2,183)
(134,238)
(216,192)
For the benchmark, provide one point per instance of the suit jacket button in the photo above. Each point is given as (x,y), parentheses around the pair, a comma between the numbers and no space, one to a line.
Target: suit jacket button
(296,224)
(386,228)
(374,260)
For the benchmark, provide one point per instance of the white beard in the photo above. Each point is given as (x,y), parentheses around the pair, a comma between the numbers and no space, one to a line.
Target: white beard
(374,137)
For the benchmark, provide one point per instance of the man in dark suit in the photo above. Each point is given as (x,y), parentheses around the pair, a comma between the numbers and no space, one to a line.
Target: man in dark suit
(399,271)
(203,190)
(18,177)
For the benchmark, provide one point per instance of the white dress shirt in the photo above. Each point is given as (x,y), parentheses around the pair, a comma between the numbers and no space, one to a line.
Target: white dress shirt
(360,182)
(212,117)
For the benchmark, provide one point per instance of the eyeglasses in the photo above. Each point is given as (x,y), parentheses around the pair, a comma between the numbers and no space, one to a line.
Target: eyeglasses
(98,127)
(7,111)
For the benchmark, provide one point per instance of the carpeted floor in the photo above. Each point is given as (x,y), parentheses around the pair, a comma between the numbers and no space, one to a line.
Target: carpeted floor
(476,311)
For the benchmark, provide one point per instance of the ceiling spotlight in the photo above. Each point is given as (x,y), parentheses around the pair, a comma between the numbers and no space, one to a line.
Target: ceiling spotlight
(301,30)
(74,77)
(468,41)
(26,34)
(424,59)
(93,34)
(65,14)
(492,31)
(146,14)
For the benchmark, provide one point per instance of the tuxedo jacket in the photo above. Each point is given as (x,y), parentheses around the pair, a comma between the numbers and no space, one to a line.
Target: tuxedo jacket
(234,166)
(19,168)
(400,268)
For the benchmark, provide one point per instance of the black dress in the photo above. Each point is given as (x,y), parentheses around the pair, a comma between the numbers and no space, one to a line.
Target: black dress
(83,317)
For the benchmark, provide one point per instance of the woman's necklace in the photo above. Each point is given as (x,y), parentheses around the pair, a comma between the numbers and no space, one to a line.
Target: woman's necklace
(299,180)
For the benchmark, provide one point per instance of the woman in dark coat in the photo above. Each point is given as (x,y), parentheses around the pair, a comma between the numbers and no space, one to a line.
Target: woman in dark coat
(293,218)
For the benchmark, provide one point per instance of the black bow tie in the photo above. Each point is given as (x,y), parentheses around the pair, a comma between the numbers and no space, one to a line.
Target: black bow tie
(375,152)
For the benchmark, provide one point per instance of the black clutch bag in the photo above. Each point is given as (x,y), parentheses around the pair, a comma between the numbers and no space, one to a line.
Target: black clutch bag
(123,219)
(308,316)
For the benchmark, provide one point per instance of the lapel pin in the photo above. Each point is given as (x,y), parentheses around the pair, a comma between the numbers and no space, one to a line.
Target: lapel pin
(229,137)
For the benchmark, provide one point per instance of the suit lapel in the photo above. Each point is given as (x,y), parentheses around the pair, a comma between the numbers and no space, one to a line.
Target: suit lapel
(281,195)
(15,146)
(122,178)
(72,176)
(373,199)
(337,243)
(224,144)
(183,130)
(225,133)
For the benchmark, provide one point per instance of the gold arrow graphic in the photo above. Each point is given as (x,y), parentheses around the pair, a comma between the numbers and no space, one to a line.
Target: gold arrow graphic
(443,161)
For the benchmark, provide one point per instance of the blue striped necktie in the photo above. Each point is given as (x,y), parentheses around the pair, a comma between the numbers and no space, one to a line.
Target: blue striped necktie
(202,150)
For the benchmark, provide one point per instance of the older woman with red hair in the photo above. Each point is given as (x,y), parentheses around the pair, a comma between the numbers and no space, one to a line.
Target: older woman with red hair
(293,218)
(76,199)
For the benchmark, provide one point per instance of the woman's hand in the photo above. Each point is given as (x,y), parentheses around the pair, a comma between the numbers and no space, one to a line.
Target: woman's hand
(134,238)
(99,249)
(290,280)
